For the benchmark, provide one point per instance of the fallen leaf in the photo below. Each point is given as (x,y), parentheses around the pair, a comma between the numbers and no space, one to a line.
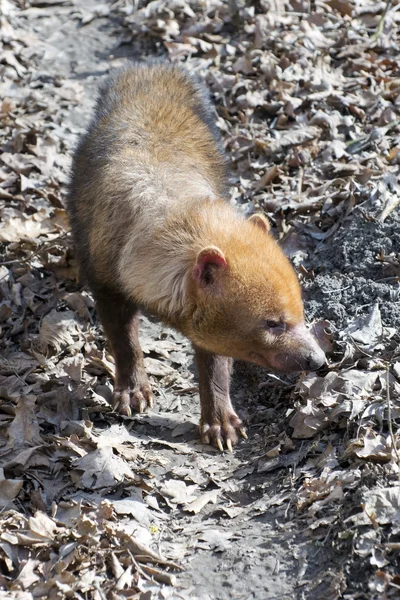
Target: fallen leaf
(9,489)
(178,491)
(197,505)
(24,429)
(102,469)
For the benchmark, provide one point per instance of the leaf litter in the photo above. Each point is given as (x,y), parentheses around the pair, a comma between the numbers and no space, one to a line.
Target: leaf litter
(307,103)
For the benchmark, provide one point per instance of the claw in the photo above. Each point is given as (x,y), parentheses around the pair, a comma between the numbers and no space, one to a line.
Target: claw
(243,433)
(206,439)
(229,445)
(219,444)
(131,400)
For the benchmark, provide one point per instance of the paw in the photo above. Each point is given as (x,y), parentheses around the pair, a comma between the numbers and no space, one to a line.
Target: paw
(221,432)
(133,400)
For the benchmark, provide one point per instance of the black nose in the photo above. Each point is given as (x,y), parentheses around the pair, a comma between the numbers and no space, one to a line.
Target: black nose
(315,360)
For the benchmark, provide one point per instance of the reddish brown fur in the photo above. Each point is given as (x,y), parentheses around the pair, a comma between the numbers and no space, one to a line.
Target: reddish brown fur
(258,284)
(153,230)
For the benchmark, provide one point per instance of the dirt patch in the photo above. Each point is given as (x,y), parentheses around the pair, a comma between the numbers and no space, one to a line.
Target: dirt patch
(351,274)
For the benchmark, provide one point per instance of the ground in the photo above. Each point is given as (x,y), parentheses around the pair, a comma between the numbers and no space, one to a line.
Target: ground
(98,506)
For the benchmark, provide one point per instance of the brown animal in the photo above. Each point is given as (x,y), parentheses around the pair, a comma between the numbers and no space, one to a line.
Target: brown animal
(153,229)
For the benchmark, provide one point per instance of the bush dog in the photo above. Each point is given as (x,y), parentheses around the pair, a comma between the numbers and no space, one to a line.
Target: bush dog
(153,230)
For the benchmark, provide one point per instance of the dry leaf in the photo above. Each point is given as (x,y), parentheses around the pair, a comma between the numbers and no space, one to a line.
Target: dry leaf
(102,468)
(24,429)
(197,505)
(57,331)
(9,489)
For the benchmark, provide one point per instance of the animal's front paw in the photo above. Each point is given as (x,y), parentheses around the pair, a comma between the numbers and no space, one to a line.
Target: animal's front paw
(133,399)
(222,431)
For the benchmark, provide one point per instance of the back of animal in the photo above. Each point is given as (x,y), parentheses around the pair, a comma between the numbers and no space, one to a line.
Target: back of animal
(152,142)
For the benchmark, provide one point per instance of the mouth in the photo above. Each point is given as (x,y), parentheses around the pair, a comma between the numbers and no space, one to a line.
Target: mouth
(260,360)
(279,363)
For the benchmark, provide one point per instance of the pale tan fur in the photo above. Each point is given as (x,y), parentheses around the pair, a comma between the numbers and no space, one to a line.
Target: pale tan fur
(148,194)
(157,261)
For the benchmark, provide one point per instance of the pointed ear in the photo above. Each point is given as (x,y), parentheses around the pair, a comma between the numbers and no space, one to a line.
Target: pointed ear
(209,261)
(261,221)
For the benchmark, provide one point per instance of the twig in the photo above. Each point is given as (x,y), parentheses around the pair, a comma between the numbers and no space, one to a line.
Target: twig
(151,572)
(394,444)
(300,184)
(53,244)
(138,566)
(165,563)
(381,23)
(392,546)
(159,576)
(20,260)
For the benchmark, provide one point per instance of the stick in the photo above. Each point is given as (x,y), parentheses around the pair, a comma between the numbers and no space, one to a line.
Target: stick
(159,576)
(381,23)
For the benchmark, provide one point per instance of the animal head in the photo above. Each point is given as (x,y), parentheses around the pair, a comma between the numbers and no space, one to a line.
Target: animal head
(248,301)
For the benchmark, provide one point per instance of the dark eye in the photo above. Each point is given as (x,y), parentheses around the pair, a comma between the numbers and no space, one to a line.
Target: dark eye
(270,324)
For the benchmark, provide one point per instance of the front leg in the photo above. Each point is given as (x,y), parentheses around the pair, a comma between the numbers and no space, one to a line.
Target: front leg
(120,319)
(219,422)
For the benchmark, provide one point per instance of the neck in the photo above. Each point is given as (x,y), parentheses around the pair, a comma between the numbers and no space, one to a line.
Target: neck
(159,277)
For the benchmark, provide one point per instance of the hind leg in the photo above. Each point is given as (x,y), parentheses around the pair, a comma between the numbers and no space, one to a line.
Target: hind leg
(120,319)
